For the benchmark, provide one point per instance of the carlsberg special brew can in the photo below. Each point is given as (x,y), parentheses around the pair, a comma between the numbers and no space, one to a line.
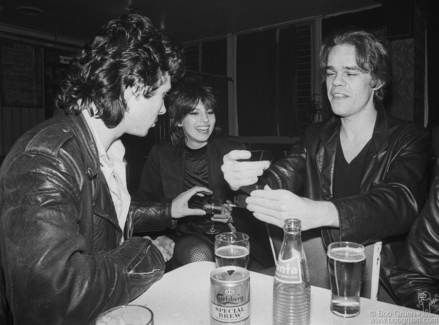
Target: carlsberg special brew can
(230,295)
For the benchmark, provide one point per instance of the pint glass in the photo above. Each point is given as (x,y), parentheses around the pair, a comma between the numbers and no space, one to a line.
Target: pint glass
(346,264)
(127,314)
(232,249)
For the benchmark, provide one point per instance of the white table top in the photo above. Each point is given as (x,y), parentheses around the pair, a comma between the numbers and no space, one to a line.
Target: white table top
(182,297)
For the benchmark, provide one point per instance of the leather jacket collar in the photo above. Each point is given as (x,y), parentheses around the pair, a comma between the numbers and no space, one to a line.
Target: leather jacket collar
(380,132)
(78,125)
(325,156)
(87,142)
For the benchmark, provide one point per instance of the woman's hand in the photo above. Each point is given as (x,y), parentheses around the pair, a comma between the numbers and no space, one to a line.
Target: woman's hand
(180,207)
(226,216)
(274,206)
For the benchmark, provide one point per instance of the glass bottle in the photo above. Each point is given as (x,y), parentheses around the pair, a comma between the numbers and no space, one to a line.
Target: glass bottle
(292,291)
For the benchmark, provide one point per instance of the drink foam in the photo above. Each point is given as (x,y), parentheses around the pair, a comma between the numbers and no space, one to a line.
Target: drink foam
(347,254)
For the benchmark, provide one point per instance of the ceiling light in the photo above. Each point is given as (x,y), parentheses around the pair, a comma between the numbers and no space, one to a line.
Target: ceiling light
(32,11)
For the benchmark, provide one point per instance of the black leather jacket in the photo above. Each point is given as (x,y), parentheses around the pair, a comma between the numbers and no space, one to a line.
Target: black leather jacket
(392,191)
(414,268)
(62,261)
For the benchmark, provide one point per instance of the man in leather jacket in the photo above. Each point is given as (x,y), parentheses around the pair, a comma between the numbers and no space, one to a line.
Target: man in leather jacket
(66,217)
(413,271)
(361,173)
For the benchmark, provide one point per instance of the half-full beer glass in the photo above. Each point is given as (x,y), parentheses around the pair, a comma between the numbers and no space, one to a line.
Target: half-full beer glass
(232,249)
(127,314)
(346,264)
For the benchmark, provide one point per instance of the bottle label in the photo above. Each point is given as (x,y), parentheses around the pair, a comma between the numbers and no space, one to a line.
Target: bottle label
(289,271)
(230,314)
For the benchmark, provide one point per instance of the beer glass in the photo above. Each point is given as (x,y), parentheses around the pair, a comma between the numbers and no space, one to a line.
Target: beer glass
(232,249)
(127,314)
(346,265)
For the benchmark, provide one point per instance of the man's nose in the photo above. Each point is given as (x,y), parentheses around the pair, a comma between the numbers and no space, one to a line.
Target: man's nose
(338,80)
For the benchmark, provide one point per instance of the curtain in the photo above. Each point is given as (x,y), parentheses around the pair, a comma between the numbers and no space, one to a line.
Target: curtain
(214,61)
(288,117)
(256,85)
(267,83)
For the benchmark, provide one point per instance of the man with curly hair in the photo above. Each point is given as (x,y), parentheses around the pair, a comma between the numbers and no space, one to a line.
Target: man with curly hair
(66,218)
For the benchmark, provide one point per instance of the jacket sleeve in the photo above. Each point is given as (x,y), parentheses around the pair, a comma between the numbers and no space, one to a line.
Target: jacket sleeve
(149,210)
(390,205)
(56,271)
(288,173)
(151,216)
(414,275)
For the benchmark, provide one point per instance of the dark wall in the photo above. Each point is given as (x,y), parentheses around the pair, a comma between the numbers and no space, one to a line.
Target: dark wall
(433,62)
(369,19)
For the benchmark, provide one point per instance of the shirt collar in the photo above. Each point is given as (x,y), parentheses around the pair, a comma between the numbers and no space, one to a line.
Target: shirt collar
(116,149)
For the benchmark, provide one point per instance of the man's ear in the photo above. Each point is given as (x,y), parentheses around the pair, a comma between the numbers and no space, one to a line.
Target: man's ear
(131,92)
(93,111)
(128,93)
(377,84)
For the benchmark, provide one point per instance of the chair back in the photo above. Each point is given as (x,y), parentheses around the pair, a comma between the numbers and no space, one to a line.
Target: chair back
(371,280)
(433,169)
(260,248)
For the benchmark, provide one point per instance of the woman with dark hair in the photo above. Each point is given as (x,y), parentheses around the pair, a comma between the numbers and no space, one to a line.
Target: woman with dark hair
(192,158)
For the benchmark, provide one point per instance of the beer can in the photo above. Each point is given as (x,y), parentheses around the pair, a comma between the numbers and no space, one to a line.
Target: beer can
(230,295)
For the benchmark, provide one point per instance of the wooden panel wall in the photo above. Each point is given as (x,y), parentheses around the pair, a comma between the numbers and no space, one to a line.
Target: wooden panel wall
(29,74)
(14,122)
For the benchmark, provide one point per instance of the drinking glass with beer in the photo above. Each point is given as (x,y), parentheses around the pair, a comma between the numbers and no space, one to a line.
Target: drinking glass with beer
(127,315)
(346,265)
(232,249)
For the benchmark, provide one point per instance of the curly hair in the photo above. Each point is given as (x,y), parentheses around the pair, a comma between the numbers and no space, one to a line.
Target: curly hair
(127,52)
(371,55)
(183,100)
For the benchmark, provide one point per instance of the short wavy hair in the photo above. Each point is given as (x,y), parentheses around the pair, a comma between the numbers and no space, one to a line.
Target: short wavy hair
(183,100)
(372,55)
(127,52)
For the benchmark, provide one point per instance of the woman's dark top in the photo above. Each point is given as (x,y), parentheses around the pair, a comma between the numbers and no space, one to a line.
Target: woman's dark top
(195,173)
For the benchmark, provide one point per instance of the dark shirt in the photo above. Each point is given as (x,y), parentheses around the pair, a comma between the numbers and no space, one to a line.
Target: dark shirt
(195,173)
(347,176)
